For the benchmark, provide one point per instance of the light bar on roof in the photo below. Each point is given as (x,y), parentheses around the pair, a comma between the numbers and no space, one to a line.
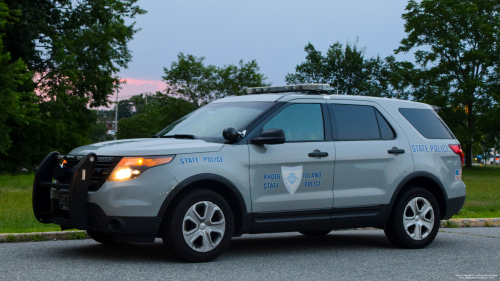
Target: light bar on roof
(290,88)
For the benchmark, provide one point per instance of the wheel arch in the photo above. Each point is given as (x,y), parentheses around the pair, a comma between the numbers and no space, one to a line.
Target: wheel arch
(427,181)
(216,183)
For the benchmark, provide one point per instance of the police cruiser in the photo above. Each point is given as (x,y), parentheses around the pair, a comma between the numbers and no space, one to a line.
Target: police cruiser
(280,159)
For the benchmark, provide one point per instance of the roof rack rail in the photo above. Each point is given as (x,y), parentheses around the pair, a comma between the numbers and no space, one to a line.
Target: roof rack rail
(310,88)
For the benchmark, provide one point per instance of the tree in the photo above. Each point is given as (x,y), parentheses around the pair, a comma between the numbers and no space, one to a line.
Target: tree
(191,79)
(155,116)
(345,69)
(140,101)
(14,105)
(71,52)
(457,57)
(125,109)
(232,80)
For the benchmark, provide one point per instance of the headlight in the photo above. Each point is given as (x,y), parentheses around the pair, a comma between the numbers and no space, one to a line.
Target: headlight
(131,167)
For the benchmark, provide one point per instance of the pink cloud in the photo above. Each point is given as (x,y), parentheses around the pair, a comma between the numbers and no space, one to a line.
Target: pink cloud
(136,86)
(133,87)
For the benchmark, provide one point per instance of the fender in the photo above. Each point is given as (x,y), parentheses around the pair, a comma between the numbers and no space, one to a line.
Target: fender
(199,177)
(409,178)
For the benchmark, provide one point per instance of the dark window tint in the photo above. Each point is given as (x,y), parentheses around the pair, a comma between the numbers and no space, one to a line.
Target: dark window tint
(427,123)
(300,122)
(386,132)
(355,122)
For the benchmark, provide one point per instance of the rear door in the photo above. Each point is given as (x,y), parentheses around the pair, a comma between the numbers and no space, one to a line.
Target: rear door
(284,177)
(372,154)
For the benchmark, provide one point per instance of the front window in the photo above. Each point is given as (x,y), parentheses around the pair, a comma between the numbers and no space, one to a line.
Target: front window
(208,122)
(299,122)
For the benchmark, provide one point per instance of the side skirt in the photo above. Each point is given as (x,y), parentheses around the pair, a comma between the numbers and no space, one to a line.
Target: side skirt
(319,219)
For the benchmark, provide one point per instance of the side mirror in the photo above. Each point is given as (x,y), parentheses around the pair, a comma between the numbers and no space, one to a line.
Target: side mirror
(270,136)
(230,134)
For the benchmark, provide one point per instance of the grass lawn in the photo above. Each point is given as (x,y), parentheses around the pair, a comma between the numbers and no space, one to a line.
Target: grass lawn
(483,193)
(16,214)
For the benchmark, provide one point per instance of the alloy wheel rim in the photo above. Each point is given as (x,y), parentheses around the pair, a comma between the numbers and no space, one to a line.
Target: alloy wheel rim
(418,218)
(203,226)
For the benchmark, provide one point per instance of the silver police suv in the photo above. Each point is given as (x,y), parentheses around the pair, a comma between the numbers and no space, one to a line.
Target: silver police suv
(280,159)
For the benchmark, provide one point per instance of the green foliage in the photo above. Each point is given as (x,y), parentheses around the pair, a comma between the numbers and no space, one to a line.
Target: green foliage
(125,109)
(457,56)
(190,78)
(346,70)
(98,131)
(14,105)
(73,51)
(161,111)
(140,101)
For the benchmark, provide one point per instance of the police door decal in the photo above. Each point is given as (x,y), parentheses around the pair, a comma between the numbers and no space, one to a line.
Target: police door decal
(292,176)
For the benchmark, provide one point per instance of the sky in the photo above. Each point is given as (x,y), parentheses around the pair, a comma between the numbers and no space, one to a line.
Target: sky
(273,32)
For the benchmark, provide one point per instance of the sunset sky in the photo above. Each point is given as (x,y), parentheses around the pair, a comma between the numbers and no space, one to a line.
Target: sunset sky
(273,32)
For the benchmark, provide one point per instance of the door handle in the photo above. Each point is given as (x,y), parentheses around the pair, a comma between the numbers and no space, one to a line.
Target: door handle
(395,150)
(318,153)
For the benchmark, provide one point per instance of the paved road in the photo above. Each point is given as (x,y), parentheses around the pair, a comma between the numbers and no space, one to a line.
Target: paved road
(342,255)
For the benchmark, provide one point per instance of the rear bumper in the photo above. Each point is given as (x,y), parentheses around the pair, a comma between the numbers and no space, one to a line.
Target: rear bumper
(453,206)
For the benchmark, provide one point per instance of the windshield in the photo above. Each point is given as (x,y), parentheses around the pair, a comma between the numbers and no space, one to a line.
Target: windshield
(208,122)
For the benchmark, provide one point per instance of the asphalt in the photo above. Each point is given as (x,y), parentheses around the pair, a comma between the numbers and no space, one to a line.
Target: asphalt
(341,255)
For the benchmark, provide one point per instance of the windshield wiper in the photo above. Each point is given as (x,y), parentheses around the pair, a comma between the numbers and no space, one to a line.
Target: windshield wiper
(181,136)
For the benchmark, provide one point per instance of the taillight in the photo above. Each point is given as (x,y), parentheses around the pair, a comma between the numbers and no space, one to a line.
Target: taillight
(458,150)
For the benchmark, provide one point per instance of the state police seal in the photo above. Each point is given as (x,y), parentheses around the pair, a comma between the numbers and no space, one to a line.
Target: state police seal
(292,176)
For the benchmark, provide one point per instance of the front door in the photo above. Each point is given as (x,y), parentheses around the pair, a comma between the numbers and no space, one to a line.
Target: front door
(284,177)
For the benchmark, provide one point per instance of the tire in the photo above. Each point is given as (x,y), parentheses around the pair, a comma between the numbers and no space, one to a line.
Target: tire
(315,232)
(103,238)
(414,220)
(200,226)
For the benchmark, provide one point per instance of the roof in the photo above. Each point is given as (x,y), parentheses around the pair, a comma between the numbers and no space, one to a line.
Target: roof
(284,97)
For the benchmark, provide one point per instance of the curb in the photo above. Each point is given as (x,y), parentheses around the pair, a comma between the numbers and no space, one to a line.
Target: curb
(42,236)
(454,223)
(76,235)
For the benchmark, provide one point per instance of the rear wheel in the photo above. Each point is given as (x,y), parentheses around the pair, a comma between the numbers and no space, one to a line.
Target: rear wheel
(200,227)
(103,238)
(414,220)
(315,232)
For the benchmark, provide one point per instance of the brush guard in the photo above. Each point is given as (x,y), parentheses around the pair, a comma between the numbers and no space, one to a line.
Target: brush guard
(78,188)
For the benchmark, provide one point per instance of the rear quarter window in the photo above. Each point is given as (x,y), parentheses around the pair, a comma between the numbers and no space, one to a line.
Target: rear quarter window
(427,123)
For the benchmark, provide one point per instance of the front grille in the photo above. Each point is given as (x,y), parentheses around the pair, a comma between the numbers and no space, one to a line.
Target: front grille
(102,170)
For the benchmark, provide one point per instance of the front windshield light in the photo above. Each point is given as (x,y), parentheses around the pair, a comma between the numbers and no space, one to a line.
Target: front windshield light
(132,167)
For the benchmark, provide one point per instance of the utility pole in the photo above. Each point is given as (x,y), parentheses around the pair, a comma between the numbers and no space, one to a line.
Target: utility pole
(146,98)
(116,114)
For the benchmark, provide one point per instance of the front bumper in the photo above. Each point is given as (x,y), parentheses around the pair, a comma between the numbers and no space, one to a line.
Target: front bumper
(81,213)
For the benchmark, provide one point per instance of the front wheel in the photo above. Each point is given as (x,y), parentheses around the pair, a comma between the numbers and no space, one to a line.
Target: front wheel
(200,227)
(414,220)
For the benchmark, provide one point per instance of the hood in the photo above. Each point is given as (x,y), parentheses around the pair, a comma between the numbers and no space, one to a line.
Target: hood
(147,147)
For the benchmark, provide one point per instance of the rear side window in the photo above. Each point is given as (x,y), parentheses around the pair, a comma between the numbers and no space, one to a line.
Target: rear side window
(426,122)
(386,132)
(359,122)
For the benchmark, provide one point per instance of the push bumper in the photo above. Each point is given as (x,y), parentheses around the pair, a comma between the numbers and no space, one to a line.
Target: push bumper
(79,213)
